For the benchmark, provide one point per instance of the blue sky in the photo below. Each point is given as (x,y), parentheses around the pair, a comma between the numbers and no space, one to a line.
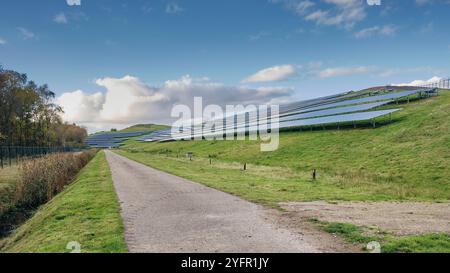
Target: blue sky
(310,48)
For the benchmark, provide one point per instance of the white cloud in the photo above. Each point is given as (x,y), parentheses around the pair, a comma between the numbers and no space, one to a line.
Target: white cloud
(343,71)
(73,2)
(173,8)
(434,79)
(2,41)
(345,13)
(128,100)
(271,74)
(60,18)
(388,30)
(81,107)
(302,6)
(26,34)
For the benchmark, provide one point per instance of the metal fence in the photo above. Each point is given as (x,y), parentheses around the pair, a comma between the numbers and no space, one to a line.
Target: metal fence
(15,154)
(442,84)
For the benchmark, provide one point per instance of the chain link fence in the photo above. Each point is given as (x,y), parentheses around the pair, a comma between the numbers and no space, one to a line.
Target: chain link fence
(10,155)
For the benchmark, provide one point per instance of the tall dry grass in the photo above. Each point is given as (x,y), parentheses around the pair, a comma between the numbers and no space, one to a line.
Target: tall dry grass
(43,178)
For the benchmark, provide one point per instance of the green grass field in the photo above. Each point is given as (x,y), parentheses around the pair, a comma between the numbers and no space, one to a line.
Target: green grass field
(145,128)
(86,212)
(408,159)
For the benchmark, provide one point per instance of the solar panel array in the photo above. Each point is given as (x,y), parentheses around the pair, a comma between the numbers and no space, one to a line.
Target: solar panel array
(110,140)
(341,108)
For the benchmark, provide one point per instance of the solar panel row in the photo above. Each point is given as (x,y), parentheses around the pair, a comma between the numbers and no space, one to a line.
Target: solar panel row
(110,140)
(282,118)
(341,108)
(355,117)
(385,97)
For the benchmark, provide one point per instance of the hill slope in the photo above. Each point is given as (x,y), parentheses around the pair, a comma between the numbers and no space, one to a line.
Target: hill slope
(145,128)
(405,160)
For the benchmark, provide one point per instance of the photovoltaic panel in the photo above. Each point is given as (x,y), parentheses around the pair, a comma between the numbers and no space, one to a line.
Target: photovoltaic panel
(335,111)
(345,107)
(314,102)
(110,140)
(390,96)
(340,99)
(327,112)
(337,119)
(315,105)
(355,117)
(385,97)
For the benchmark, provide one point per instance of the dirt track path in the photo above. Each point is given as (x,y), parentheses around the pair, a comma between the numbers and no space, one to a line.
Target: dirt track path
(165,213)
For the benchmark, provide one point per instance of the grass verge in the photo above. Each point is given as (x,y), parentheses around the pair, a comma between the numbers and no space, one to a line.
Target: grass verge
(86,212)
(427,243)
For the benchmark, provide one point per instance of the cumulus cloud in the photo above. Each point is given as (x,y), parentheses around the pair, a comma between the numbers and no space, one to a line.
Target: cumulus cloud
(60,18)
(434,79)
(73,2)
(128,100)
(271,74)
(81,107)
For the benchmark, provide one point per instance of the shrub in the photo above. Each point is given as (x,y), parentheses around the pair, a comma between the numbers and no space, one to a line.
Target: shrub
(41,179)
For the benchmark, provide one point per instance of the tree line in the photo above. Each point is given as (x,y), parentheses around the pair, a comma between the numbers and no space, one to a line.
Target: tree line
(29,115)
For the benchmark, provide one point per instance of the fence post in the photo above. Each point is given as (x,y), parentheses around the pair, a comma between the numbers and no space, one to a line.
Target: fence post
(9,155)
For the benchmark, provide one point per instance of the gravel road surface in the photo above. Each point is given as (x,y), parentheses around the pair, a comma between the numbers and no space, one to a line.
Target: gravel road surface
(166,213)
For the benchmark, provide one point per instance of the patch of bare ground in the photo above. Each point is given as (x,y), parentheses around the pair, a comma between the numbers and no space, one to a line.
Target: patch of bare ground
(408,218)
(324,241)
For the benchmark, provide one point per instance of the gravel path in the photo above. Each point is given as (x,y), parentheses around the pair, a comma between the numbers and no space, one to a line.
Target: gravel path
(165,213)
(407,218)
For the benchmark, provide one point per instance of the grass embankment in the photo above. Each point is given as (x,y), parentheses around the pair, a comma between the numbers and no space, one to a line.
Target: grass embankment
(428,243)
(145,128)
(406,160)
(87,212)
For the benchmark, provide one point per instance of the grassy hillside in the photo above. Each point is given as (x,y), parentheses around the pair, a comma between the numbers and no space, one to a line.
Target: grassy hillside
(145,128)
(405,160)
(86,212)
